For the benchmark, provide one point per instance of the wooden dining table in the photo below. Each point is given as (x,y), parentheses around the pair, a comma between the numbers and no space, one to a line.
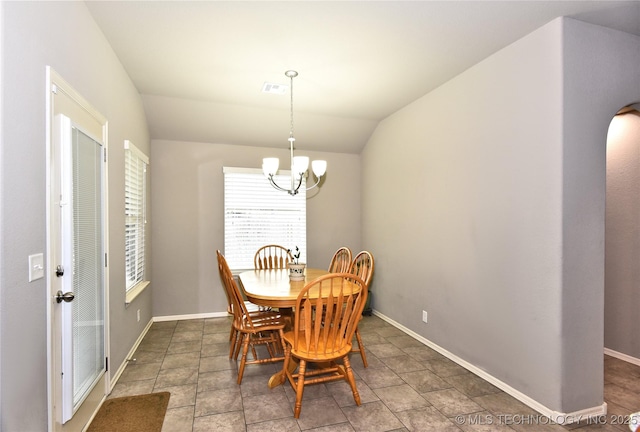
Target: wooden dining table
(274,289)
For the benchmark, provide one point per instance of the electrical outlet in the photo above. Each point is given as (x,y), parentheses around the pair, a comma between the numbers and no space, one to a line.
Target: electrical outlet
(424,316)
(138,315)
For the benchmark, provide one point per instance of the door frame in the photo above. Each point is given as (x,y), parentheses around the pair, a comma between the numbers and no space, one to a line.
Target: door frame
(55,83)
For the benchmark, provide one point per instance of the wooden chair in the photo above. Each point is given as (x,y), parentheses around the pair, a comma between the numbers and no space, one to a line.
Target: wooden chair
(341,261)
(272,257)
(362,266)
(327,313)
(251,307)
(256,328)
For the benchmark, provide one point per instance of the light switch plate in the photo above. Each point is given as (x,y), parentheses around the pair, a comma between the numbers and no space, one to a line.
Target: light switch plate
(36,267)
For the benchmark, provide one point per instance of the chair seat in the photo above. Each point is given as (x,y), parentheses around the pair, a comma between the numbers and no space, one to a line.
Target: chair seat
(314,351)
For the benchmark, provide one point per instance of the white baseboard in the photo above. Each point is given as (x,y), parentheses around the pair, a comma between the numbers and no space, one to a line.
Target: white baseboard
(558,417)
(622,356)
(190,316)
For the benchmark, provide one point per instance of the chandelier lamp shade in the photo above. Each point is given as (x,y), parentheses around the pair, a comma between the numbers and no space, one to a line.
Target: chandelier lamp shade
(299,164)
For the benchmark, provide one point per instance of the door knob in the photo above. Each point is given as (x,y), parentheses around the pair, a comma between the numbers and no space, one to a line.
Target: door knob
(67,297)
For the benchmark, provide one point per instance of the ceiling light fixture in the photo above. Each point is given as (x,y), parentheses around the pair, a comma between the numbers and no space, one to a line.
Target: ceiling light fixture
(299,164)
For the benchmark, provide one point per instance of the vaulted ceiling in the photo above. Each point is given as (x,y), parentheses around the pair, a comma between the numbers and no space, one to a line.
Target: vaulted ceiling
(200,66)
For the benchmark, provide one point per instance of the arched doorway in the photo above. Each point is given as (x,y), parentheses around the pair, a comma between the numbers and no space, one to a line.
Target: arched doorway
(622,237)
(622,266)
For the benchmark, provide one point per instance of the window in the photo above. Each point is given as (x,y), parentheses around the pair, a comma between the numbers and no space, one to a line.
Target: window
(135,207)
(256,214)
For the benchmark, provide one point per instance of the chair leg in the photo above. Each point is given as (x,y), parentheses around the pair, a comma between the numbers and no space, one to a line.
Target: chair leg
(351,380)
(238,345)
(243,360)
(361,348)
(277,344)
(282,344)
(272,344)
(299,388)
(253,352)
(270,349)
(233,341)
(285,365)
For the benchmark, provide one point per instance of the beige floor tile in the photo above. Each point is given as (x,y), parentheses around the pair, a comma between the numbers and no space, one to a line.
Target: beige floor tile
(178,419)
(225,422)
(181,360)
(271,406)
(372,417)
(181,396)
(451,402)
(426,420)
(280,425)
(401,398)
(320,412)
(403,363)
(407,387)
(218,401)
(424,381)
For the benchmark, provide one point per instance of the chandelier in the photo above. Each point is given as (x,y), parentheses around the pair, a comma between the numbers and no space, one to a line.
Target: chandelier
(299,164)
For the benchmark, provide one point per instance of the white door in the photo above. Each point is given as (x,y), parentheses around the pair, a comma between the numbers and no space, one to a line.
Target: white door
(76,258)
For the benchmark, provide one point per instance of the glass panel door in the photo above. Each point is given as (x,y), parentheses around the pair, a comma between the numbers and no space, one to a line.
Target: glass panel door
(83,359)
(88,310)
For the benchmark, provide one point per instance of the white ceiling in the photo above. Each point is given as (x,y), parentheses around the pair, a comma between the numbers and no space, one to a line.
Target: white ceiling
(200,66)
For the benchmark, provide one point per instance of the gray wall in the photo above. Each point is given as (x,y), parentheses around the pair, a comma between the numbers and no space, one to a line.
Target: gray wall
(622,236)
(501,237)
(64,36)
(188,228)
(600,75)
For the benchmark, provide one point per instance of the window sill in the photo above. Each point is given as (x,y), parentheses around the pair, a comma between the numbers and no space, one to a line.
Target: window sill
(134,292)
(238,271)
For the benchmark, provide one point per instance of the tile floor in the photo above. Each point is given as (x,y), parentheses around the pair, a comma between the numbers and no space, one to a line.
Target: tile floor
(407,387)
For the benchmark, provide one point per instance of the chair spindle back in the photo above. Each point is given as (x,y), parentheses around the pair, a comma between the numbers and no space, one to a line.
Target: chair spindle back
(238,306)
(362,266)
(272,257)
(327,313)
(341,261)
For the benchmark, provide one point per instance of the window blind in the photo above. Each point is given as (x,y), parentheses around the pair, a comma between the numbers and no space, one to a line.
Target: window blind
(135,214)
(88,264)
(256,214)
